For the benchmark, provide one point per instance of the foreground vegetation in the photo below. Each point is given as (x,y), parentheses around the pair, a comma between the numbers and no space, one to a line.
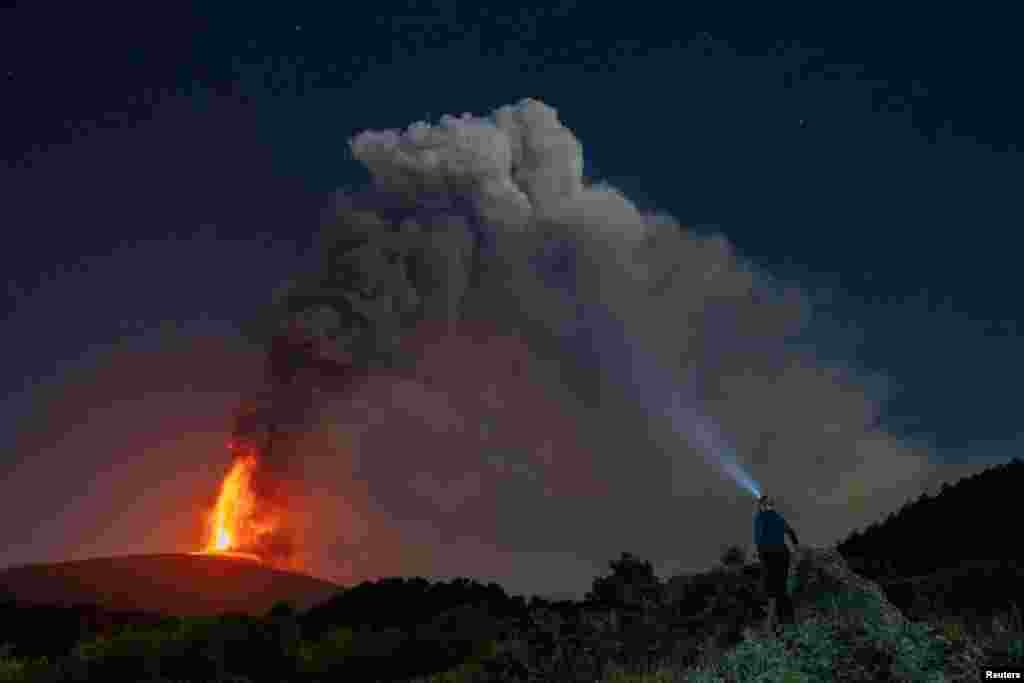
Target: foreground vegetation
(632,627)
(712,629)
(855,650)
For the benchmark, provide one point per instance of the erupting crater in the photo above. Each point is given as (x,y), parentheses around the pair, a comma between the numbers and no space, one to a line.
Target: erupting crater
(245,522)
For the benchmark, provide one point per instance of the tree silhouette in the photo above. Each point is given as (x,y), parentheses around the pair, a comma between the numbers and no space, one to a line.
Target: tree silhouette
(959,539)
(733,557)
(632,583)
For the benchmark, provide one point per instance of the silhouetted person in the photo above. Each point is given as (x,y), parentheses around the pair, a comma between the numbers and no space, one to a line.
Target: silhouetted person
(770,531)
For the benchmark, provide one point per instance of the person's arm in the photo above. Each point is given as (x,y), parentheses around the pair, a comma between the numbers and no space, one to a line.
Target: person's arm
(758,524)
(791,533)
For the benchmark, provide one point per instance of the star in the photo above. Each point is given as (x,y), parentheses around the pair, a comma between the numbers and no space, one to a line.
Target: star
(298,27)
(803,123)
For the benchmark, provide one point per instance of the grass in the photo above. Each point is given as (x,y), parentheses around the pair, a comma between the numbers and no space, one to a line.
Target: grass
(837,637)
(18,669)
(840,648)
(846,641)
(837,648)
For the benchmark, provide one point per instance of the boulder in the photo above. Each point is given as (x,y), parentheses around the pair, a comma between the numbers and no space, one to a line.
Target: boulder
(823,574)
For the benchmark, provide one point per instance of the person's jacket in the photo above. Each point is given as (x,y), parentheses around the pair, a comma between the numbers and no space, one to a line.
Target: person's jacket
(770,530)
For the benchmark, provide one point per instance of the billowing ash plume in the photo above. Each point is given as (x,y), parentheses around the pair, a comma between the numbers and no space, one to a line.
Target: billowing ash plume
(488,351)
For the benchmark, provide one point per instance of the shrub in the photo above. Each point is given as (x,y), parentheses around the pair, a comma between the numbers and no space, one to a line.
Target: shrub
(17,669)
(734,556)
(471,669)
(327,654)
(953,631)
(129,655)
(632,583)
(186,649)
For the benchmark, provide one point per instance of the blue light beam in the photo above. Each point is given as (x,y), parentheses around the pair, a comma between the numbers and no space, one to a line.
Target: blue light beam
(595,335)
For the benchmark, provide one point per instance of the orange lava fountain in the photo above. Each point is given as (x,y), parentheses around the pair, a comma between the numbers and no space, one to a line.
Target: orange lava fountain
(235,523)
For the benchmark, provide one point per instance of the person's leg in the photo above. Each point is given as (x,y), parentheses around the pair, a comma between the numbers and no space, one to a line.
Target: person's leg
(778,566)
(784,602)
(787,614)
(774,582)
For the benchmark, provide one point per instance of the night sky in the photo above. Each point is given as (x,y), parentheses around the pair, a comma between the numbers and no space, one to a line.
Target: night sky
(164,171)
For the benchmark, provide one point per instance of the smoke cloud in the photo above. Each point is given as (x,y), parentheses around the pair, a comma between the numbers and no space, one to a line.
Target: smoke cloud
(515,374)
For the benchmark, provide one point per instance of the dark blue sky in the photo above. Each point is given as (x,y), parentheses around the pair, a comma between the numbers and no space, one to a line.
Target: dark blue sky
(163,169)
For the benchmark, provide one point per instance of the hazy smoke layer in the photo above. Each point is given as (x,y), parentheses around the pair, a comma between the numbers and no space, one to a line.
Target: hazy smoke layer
(484,431)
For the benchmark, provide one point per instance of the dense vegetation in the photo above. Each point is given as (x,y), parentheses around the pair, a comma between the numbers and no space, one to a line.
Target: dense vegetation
(965,555)
(704,627)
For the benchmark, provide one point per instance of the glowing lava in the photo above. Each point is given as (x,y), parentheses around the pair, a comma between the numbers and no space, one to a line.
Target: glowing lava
(236,525)
(228,553)
(234,504)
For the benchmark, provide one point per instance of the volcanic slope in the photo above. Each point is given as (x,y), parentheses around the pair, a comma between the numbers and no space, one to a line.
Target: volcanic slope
(171,584)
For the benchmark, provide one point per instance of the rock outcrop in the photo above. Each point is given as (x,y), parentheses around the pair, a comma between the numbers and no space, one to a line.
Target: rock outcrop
(822,574)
